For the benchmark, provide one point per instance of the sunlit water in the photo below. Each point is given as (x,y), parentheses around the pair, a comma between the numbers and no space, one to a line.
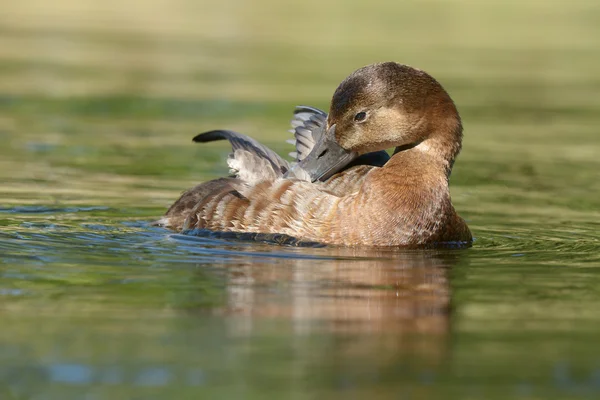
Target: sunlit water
(98,105)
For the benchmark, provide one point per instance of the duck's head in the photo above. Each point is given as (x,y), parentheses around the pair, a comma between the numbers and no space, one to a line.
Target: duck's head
(386,105)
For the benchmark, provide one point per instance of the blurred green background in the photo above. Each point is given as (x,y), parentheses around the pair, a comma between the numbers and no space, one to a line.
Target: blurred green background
(99,101)
(112,92)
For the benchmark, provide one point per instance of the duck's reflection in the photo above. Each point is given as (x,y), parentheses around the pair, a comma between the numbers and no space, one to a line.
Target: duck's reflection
(341,310)
(351,291)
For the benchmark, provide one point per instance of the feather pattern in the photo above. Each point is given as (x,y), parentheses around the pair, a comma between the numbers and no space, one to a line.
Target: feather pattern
(247,155)
(308,125)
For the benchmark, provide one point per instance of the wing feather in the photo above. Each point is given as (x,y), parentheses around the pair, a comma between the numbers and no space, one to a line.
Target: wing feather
(308,126)
(249,160)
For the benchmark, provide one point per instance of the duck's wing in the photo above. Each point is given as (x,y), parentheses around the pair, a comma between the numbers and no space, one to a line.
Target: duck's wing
(183,208)
(250,160)
(308,126)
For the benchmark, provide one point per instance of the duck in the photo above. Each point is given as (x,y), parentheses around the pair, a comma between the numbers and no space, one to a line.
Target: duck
(341,190)
(252,162)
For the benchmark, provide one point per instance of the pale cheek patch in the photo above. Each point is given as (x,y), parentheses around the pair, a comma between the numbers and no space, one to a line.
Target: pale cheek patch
(388,128)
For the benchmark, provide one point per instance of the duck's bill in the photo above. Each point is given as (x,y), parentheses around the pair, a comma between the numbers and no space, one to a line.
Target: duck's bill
(326,158)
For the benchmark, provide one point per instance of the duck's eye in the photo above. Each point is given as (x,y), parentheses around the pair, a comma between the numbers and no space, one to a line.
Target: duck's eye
(361,116)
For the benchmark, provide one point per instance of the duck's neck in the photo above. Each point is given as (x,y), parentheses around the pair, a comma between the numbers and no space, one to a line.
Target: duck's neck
(414,183)
(440,146)
(419,169)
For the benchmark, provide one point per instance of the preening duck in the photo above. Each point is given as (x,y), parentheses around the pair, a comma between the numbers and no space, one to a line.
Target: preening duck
(343,190)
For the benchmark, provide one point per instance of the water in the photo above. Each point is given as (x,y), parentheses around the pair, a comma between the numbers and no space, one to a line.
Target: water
(98,105)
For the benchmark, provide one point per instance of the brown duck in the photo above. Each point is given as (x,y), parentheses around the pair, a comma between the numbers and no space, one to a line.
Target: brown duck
(373,201)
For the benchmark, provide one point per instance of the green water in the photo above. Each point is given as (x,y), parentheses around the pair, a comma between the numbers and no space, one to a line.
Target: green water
(98,105)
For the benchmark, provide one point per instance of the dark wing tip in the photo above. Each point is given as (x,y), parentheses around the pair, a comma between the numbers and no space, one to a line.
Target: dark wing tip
(309,109)
(211,136)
